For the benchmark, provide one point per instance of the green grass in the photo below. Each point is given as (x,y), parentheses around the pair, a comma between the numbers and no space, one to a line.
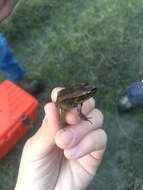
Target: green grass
(98,41)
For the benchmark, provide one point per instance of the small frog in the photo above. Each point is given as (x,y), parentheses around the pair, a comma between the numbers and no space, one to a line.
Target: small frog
(74,97)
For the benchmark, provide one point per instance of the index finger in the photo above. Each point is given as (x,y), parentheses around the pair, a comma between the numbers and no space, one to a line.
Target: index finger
(54,93)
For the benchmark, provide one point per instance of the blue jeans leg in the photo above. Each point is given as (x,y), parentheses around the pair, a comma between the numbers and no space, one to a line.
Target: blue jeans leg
(9,66)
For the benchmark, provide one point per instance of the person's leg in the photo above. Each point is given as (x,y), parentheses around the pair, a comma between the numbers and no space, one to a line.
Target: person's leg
(9,66)
(133,98)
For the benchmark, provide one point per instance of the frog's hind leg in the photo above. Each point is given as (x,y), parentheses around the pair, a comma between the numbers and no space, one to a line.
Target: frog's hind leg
(81,115)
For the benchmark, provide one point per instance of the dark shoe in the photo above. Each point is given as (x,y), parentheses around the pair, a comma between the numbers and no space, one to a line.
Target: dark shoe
(31,86)
(124,105)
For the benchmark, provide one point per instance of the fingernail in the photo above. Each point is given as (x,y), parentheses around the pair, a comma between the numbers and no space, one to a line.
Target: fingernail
(66,137)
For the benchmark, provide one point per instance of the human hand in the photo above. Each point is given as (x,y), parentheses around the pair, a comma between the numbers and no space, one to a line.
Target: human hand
(61,159)
(6,7)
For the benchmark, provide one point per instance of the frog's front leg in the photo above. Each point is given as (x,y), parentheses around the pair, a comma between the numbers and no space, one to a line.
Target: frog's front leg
(62,111)
(81,115)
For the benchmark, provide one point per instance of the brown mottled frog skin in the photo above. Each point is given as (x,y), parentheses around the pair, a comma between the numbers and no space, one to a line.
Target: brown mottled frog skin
(74,97)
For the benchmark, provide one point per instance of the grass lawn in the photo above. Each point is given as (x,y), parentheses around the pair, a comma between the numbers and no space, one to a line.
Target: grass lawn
(95,41)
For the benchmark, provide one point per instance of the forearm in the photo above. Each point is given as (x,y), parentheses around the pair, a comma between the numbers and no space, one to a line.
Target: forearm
(13,3)
(6,7)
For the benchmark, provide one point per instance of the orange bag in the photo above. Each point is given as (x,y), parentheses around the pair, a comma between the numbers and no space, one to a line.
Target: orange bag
(18,111)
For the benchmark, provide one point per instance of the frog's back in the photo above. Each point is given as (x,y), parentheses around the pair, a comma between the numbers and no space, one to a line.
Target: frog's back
(74,92)
(70,93)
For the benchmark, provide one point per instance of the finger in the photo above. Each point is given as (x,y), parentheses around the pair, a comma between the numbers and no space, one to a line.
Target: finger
(94,161)
(72,135)
(88,105)
(54,93)
(43,141)
(94,141)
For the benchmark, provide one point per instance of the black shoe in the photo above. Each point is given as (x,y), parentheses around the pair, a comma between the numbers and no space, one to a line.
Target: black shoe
(31,86)
(124,105)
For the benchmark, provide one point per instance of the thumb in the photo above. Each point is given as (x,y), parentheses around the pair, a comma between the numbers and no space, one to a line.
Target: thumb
(39,145)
